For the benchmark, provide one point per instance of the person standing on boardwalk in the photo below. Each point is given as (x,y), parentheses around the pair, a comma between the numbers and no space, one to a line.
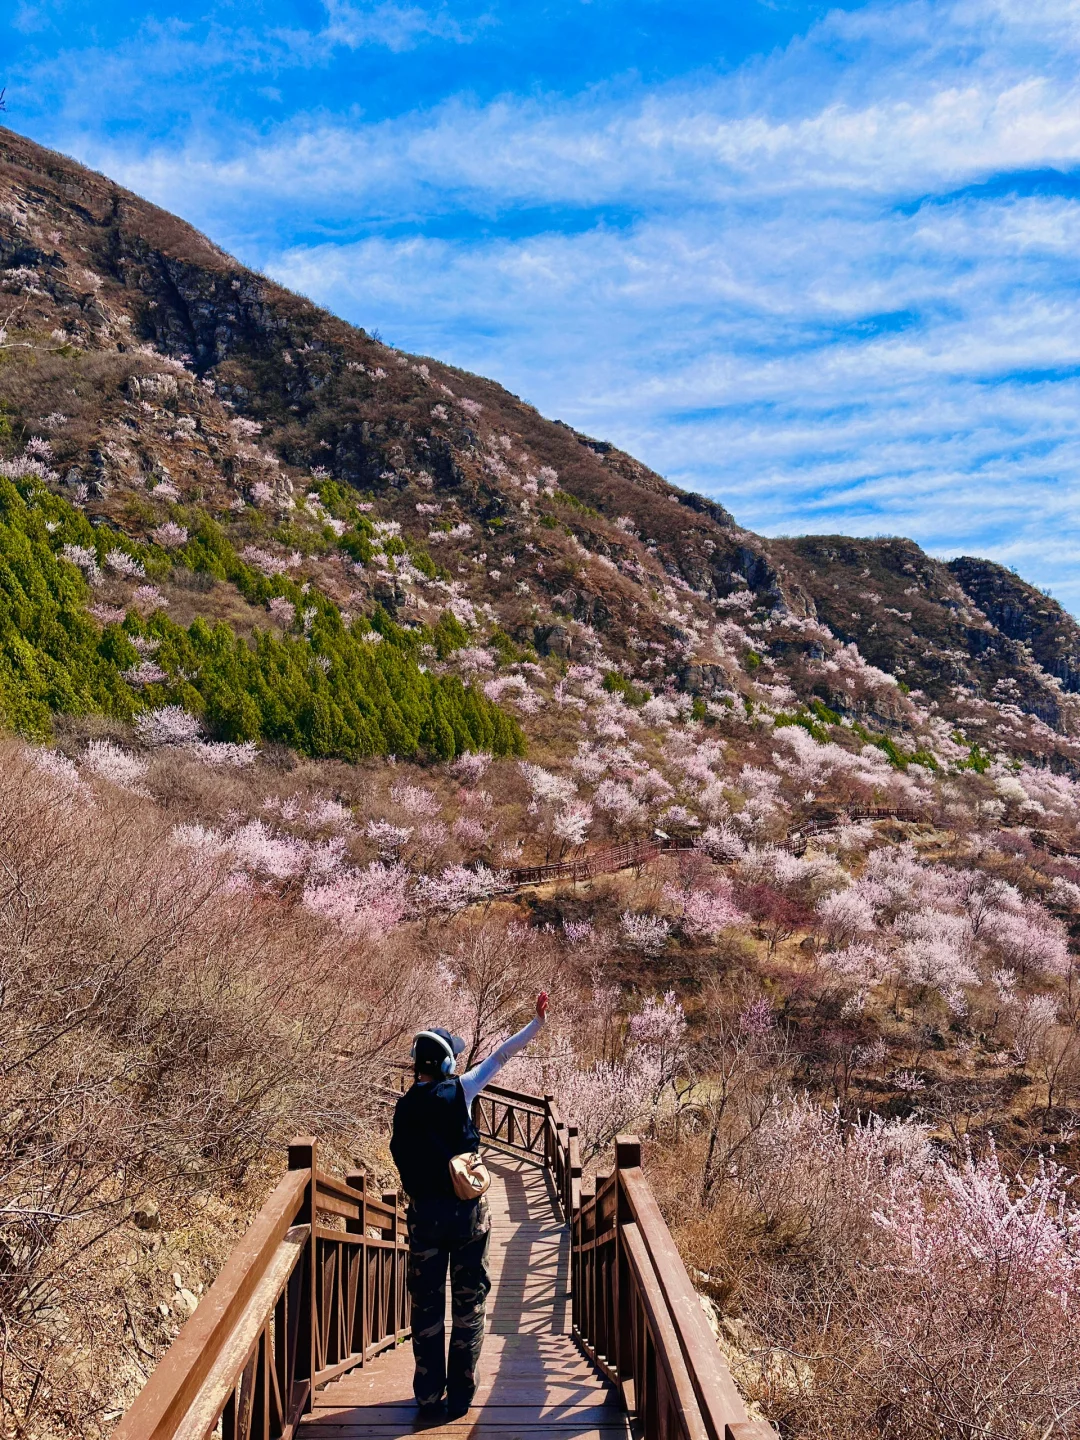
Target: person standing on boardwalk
(433,1124)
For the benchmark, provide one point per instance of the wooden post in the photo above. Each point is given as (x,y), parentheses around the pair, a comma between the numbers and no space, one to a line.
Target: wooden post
(303,1156)
(580,1306)
(603,1301)
(627,1157)
(562,1165)
(397,1302)
(574,1169)
(357,1180)
(390,1197)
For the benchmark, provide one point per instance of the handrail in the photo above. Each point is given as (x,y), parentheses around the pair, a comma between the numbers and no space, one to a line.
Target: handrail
(297,1303)
(832,819)
(635,1311)
(630,854)
(316,1287)
(163,1404)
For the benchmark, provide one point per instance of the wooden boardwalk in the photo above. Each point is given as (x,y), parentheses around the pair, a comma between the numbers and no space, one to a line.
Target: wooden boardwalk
(534,1380)
(594,1330)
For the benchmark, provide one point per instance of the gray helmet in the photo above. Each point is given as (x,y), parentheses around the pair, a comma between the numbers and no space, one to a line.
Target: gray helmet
(437,1049)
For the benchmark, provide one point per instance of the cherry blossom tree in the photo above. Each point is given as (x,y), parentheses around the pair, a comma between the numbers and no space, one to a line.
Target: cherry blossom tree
(571,824)
(388,839)
(619,803)
(415,800)
(168,725)
(470,767)
(1030,941)
(647,933)
(455,888)
(366,904)
(703,912)
(170,536)
(109,762)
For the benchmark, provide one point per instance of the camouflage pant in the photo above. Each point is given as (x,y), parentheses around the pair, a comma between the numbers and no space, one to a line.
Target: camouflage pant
(452,1233)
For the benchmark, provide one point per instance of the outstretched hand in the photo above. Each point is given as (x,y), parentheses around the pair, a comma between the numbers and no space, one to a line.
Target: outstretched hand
(542,1004)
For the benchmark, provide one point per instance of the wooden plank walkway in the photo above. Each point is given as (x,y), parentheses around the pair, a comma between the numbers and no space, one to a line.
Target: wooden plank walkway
(533,1378)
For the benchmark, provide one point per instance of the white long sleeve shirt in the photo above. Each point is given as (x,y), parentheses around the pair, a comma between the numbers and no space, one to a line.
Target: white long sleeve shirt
(474,1080)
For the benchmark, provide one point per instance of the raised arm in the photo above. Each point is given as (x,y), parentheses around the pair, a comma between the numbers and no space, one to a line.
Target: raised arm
(474,1080)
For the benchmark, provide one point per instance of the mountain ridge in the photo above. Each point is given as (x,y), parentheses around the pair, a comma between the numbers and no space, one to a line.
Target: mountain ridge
(127,282)
(325,642)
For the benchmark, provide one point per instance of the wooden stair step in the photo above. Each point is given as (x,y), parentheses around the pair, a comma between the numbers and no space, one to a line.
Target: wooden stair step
(477,1422)
(488,1414)
(541,1390)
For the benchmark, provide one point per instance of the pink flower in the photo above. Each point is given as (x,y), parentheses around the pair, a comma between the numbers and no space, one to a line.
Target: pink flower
(619,802)
(471,660)
(168,725)
(1031,940)
(415,799)
(758,1018)
(470,768)
(110,763)
(263,560)
(578,932)
(148,598)
(107,614)
(145,673)
(455,888)
(704,913)
(259,851)
(388,839)
(845,913)
(546,788)
(571,824)
(647,933)
(121,563)
(282,611)
(170,536)
(470,832)
(85,558)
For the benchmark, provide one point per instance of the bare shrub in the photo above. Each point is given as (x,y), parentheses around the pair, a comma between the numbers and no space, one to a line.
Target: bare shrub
(881,1288)
(159,1040)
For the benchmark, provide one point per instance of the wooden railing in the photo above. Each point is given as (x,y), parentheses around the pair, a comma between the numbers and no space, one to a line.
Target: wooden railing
(1041,841)
(584,867)
(824,821)
(634,853)
(629,855)
(635,1312)
(315,1288)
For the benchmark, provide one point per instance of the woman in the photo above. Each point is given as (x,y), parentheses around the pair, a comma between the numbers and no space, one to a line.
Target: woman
(432,1124)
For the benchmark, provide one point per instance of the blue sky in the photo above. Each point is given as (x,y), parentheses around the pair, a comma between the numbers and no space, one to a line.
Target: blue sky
(820,262)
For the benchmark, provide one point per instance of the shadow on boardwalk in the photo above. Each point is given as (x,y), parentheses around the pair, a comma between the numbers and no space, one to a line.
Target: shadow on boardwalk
(533,1379)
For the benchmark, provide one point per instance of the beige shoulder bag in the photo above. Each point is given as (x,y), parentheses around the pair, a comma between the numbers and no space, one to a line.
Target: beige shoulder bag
(469,1175)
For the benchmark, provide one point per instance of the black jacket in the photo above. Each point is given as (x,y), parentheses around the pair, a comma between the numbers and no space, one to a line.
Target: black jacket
(432,1124)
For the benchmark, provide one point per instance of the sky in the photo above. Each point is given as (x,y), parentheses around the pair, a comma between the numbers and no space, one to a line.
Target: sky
(819,262)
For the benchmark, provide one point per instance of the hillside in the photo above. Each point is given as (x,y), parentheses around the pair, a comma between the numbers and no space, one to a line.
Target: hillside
(268,399)
(308,646)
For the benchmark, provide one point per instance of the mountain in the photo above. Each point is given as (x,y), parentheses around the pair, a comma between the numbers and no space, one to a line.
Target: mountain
(176,385)
(314,655)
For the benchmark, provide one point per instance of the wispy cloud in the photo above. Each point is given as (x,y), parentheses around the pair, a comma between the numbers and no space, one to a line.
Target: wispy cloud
(940,96)
(396,26)
(837,287)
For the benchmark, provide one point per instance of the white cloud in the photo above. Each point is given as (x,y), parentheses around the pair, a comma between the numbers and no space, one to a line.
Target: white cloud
(739,358)
(912,115)
(800,287)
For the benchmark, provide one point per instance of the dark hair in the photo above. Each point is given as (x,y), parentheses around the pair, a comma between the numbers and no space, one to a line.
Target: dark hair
(426,1069)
